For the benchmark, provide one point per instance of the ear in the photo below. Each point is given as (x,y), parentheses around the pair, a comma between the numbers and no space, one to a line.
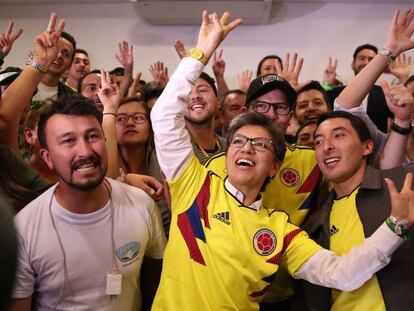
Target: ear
(368,147)
(217,104)
(244,109)
(44,153)
(353,65)
(28,136)
(274,169)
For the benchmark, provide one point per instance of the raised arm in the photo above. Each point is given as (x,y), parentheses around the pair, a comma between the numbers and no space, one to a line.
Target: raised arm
(18,95)
(351,271)
(398,41)
(109,94)
(400,102)
(291,70)
(125,57)
(6,41)
(219,67)
(172,140)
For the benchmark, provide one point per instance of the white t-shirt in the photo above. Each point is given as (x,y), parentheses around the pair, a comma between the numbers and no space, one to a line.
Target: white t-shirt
(46,92)
(87,243)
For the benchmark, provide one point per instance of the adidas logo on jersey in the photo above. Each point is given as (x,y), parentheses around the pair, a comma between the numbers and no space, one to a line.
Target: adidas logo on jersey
(333,230)
(223,217)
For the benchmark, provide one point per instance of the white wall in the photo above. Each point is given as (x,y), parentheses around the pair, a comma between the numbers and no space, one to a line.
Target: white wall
(315,30)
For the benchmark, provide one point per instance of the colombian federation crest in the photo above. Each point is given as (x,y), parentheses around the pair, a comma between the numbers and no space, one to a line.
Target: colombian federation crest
(264,242)
(289,177)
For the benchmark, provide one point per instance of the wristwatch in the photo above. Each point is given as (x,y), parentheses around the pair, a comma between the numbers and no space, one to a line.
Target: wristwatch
(388,55)
(31,62)
(198,55)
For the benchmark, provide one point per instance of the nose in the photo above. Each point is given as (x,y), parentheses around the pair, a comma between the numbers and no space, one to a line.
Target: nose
(328,147)
(130,121)
(194,94)
(84,148)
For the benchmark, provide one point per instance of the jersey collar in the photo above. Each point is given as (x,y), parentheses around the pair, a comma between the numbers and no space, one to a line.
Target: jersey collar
(256,205)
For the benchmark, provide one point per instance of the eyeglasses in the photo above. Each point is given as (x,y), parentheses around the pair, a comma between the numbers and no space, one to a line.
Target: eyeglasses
(263,107)
(138,118)
(258,143)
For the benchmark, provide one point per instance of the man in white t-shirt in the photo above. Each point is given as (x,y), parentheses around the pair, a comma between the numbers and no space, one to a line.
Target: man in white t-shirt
(83,242)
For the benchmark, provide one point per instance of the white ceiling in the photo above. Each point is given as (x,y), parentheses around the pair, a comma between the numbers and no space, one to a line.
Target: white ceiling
(126,1)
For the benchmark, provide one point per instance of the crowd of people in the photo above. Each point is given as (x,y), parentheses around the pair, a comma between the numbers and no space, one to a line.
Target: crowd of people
(183,194)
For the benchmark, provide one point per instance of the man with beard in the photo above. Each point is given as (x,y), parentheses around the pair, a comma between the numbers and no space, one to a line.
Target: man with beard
(374,104)
(112,231)
(199,117)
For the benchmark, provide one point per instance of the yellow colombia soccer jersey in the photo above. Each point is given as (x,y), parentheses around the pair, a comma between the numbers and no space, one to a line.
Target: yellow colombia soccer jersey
(295,187)
(346,231)
(222,255)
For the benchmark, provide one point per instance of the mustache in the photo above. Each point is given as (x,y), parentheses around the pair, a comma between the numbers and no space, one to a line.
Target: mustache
(94,159)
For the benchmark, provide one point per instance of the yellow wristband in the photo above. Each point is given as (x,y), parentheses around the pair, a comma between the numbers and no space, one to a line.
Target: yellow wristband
(198,55)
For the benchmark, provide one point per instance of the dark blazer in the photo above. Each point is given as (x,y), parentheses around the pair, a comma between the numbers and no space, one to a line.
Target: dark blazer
(396,280)
(377,108)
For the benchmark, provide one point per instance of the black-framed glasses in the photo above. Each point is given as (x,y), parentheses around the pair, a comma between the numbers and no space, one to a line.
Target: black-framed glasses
(137,117)
(264,107)
(258,143)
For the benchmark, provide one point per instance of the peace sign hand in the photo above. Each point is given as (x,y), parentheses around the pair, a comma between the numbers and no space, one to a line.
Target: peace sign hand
(45,46)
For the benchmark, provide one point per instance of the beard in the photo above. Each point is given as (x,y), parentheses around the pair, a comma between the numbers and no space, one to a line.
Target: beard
(206,120)
(90,183)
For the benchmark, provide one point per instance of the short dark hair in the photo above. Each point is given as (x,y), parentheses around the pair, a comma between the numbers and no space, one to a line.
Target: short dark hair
(81,51)
(206,77)
(118,71)
(356,122)
(71,39)
(150,90)
(313,85)
(235,91)
(309,122)
(80,81)
(71,104)
(259,67)
(364,47)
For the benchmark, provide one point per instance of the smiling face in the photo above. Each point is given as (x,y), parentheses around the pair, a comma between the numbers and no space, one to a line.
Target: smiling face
(310,105)
(80,66)
(340,153)
(76,150)
(277,97)
(63,59)
(132,133)
(247,168)
(203,104)
(362,59)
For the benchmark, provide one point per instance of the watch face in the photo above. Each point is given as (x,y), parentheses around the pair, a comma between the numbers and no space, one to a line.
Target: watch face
(196,54)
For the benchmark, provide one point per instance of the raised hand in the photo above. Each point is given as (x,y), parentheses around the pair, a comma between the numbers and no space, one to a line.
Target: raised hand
(399,101)
(401,67)
(213,31)
(45,48)
(109,93)
(159,73)
(402,203)
(401,30)
(291,70)
(180,49)
(244,80)
(219,66)
(135,88)
(125,55)
(7,40)
(329,74)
